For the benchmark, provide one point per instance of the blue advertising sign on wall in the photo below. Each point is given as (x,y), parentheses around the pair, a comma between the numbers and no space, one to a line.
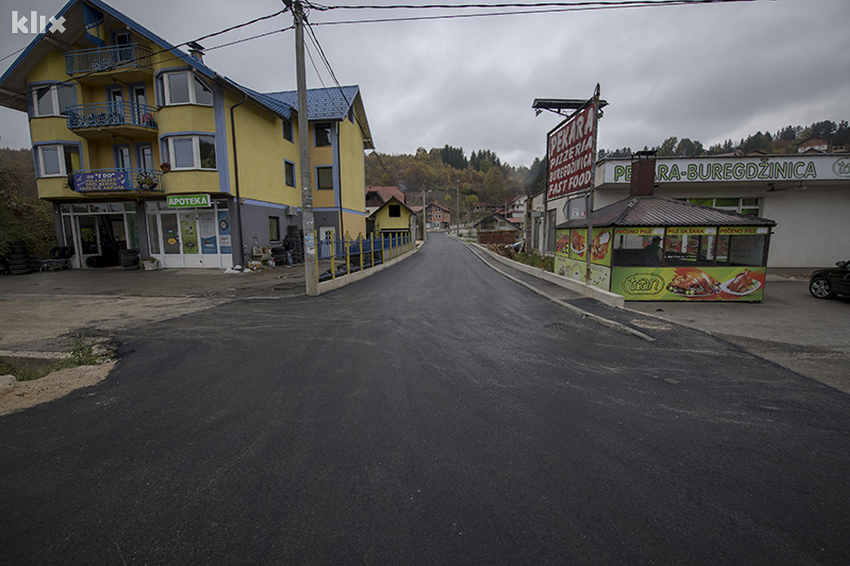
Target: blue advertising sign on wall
(102,181)
(224,231)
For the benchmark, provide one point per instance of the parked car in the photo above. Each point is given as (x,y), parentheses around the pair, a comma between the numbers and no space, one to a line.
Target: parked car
(826,283)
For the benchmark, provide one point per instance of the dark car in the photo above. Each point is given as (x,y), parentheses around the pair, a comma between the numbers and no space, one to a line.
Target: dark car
(826,283)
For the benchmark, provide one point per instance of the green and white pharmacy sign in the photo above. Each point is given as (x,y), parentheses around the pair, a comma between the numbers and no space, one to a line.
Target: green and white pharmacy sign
(189,201)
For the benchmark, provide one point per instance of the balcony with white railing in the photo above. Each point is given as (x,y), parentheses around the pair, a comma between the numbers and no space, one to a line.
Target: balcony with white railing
(115,180)
(112,118)
(117,58)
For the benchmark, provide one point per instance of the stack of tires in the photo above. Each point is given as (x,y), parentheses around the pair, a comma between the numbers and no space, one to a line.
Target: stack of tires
(20,260)
(297,237)
(279,255)
(130,259)
(61,252)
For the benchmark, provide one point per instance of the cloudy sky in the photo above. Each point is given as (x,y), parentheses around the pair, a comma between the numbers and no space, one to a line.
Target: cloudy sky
(709,72)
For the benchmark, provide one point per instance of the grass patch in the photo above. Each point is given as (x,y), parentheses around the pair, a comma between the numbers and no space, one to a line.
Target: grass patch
(534,260)
(81,353)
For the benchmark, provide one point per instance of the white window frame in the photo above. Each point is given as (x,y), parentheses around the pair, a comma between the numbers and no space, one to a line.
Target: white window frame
(191,78)
(55,109)
(168,150)
(61,151)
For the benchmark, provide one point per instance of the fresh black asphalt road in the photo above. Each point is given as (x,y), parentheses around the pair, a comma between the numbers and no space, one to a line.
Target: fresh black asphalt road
(434,413)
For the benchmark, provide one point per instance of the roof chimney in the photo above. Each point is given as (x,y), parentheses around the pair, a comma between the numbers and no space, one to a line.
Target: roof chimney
(196,50)
(643,174)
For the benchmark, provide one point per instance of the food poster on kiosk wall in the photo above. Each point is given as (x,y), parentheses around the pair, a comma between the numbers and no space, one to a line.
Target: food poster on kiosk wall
(570,255)
(691,248)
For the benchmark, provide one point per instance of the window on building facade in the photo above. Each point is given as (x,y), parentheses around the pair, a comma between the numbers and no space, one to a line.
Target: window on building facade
(52,100)
(58,160)
(323,134)
(324,178)
(289,173)
(184,87)
(394,210)
(287,130)
(274,229)
(189,152)
(747,205)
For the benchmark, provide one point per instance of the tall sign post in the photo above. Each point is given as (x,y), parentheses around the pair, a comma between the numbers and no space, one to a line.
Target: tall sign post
(571,151)
(589,253)
(308,224)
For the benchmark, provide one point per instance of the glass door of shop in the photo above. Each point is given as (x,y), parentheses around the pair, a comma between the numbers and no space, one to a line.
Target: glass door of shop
(171,240)
(189,238)
(89,239)
(180,242)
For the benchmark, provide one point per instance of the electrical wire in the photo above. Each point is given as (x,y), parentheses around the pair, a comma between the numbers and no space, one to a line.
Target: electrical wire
(255,20)
(315,40)
(528,9)
(580,3)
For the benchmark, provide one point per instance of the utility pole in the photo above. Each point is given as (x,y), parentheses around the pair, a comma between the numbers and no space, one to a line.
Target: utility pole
(423,215)
(308,224)
(457,222)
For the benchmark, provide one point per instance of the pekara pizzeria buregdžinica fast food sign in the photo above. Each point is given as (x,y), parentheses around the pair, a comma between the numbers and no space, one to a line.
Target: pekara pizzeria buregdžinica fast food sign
(740,169)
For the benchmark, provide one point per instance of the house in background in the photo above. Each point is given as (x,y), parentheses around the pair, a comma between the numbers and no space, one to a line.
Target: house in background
(393,218)
(496,229)
(140,145)
(437,217)
(813,144)
(515,212)
(377,196)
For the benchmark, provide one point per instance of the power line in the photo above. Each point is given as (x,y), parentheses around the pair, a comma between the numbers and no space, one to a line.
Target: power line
(527,9)
(248,38)
(581,3)
(237,26)
(312,35)
(13,53)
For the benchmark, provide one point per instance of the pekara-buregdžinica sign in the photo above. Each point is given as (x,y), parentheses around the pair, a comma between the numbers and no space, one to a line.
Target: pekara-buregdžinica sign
(741,169)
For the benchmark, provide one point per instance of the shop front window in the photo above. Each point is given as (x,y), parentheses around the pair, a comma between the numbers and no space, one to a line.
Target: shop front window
(692,250)
(636,247)
(741,250)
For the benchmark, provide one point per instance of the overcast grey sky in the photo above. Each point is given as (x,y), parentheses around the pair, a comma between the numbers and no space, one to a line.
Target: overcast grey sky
(709,72)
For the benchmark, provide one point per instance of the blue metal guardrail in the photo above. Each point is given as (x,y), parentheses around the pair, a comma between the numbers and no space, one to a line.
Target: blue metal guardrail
(360,253)
(125,179)
(108,59)
(116,113)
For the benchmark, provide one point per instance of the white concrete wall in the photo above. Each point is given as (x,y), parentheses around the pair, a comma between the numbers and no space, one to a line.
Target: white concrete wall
(812,227)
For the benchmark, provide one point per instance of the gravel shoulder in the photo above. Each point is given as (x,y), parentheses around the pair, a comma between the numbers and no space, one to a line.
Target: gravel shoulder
(46,325)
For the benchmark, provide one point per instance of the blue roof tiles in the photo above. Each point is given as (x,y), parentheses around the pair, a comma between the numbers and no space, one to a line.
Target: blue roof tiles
(322,103)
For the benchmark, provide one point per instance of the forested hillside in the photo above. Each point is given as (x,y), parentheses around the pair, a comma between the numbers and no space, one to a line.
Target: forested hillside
(785,140)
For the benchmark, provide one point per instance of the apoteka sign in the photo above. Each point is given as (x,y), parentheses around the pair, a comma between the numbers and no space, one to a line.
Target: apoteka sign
(189,201)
